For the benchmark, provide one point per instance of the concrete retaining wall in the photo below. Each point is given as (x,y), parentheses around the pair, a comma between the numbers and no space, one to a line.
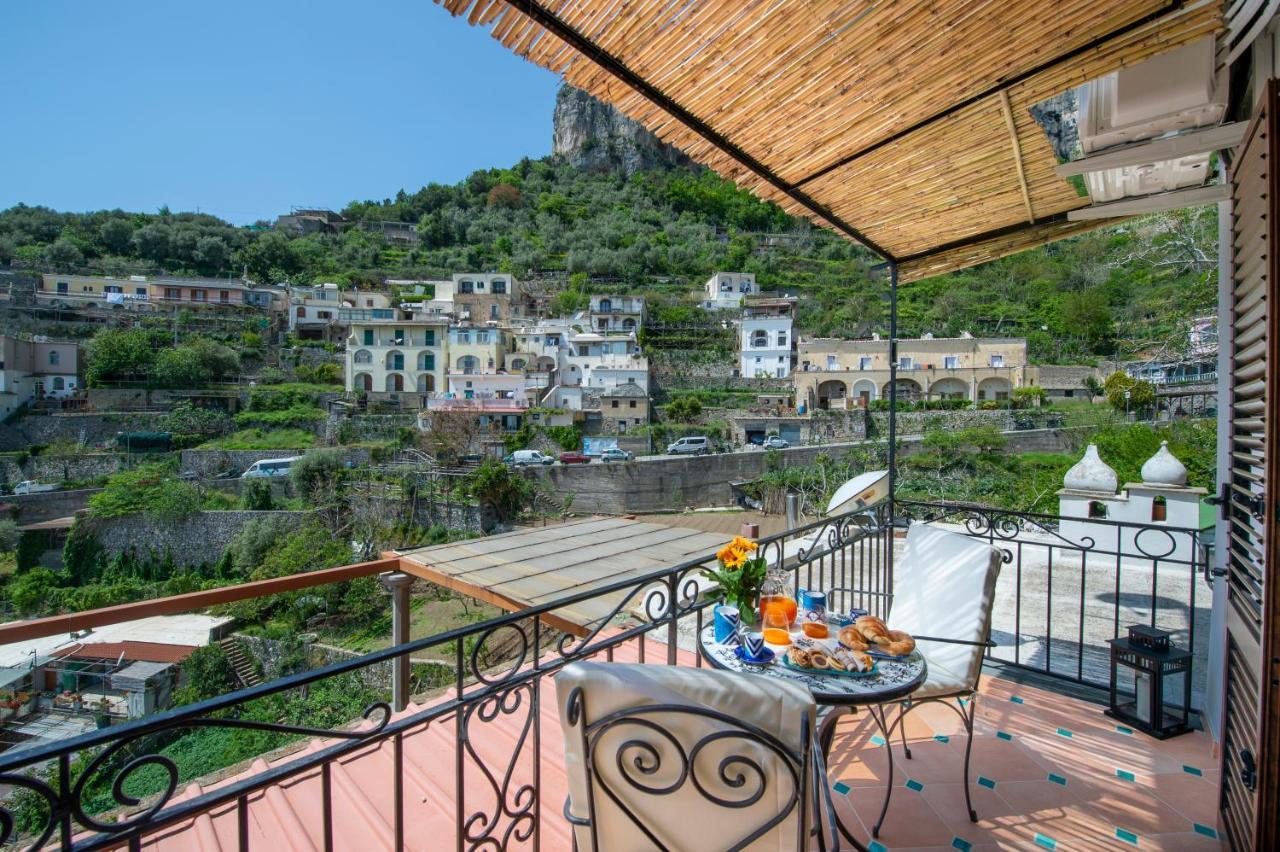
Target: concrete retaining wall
(672,483)
(423,512)
(197,539)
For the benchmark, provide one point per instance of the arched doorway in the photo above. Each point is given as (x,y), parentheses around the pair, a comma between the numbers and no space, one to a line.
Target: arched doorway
(363,381)
(993,389)
(864,390)
(426,383)
(949,389)
(909,390)
(829,390)
(468,365)
(395,383)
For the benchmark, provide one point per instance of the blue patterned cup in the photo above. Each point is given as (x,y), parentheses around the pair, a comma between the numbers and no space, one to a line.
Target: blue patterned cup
(814,606)
(753,645)
(727,623)
(854,615)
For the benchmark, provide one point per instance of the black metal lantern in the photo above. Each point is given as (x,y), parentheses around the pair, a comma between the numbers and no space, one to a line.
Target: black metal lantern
(1156,667)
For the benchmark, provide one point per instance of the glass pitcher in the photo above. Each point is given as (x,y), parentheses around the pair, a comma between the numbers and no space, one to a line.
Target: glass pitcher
(777,607)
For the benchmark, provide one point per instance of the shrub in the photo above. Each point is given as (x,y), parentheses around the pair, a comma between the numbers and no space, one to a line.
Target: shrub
(148,488)
(257,496)
(1141,394)
(684,409)
(318,476)
(498,486)
(9,535)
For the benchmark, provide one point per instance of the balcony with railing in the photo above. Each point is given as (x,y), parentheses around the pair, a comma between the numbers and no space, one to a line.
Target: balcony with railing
(466,753)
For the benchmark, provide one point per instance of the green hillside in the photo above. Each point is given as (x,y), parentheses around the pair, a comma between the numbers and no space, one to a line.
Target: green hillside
(1123,291)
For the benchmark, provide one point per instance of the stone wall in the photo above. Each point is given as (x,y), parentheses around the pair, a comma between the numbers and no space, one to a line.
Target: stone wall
(920,422)
(271,653)
(95,430)
(209,463)
(60,468)
(367,427)
(370,506)
(673,483)
(196,539)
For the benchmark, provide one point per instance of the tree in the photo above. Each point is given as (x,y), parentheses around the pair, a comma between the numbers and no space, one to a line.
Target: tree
(116,354)
(256,496)
(152,242)
(500,488)
(505,195)
(9,535)
(212,253)
(195,364)
(1140,394)
(63,255)
(34,592)
(451,434)
(318,478)
(684,409)
(1087,314)
(206,673)
(269,257)
(116,235)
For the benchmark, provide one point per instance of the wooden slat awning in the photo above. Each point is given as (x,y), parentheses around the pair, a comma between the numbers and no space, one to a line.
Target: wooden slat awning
(532,567)
(887,121)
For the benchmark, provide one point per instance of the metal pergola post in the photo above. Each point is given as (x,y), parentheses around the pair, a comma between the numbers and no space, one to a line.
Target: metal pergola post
(893,412)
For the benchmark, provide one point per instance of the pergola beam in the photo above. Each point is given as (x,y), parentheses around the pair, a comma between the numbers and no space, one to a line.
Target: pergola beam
(1017,154)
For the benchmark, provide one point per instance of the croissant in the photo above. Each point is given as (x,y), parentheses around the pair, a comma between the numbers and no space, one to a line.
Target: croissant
(851,638)
(900,643)
(873,629)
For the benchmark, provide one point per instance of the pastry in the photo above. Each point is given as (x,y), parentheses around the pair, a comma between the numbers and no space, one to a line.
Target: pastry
(899,643)
(819,660)
(873,629)
(799,657)
(864,662)
(852,638)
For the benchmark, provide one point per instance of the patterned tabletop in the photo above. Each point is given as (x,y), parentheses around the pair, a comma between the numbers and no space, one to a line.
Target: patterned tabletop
(896,678)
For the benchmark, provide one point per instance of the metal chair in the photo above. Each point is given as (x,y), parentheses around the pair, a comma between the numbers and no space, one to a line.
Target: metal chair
(945,584)
(665,757)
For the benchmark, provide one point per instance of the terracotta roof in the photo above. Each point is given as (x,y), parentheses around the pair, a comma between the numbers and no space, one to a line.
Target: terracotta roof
(152,652)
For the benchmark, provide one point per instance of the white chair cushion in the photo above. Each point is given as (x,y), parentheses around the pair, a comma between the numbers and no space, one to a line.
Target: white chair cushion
(684,819)
(944,585)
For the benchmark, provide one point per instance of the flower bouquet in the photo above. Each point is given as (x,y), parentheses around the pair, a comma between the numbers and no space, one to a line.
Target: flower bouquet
(739,576)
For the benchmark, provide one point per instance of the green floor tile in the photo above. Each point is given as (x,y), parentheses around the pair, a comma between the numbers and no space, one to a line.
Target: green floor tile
(1046,841)
(877,740)
(913,784)
(1121,729)
(877,846)
(1125,775)
(1191,770)
(986,782)
(1063,732)
(1003,735)
(961,844)
(841,788)
(942,738)
(1057,779)
(1016,700)
(1207,831)
(1127,836)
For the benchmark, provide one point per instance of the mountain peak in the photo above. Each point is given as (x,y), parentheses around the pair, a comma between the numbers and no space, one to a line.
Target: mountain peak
(595,136)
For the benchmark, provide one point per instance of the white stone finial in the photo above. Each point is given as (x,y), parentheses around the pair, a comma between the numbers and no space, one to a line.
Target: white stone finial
(1091,473)
(1164,468)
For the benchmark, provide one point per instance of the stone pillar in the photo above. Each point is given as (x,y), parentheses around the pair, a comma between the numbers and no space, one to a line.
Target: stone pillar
(399,585)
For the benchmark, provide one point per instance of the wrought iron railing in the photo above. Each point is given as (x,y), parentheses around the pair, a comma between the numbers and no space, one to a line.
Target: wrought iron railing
(662,610)
(1069,585)
(1060,597)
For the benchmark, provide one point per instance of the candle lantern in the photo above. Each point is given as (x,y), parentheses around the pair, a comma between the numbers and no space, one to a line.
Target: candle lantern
(1159,671)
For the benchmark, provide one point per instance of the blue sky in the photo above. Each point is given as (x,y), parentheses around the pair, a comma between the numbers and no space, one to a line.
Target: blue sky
(243,109)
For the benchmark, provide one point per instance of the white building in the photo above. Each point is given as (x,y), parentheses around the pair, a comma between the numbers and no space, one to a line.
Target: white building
(313,310)
(35,368)
(616,313)
(766,339)
(1088,500)
(396,356)
(726,290)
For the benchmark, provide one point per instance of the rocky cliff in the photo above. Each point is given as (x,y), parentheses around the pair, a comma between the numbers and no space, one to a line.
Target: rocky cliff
(595,136)
(1059,117)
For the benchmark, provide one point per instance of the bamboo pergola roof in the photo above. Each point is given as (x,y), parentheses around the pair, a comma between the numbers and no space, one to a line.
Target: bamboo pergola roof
(902,125)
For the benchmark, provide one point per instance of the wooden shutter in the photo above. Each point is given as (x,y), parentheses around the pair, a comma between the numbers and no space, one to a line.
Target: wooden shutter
(1250,729)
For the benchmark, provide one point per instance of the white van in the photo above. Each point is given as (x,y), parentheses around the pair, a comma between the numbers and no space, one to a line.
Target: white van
(695,445)
(521,458)
(270,467)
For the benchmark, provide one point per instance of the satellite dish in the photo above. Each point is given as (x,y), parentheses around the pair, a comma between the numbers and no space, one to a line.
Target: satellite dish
(865,489)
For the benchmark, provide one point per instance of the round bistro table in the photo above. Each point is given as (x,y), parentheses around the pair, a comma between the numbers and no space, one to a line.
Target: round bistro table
(838,695)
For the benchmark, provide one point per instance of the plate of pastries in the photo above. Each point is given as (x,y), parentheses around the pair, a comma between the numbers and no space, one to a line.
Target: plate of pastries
(828,657)
(870,635)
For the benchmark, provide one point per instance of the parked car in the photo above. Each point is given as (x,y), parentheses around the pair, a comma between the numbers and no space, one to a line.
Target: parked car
(773,442)
(30,486)
(613,454)
(525,458)
(270,467)
(574,457)
(692,445)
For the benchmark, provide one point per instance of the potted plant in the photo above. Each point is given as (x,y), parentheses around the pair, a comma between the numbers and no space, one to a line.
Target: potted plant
(739,576)
(102,713)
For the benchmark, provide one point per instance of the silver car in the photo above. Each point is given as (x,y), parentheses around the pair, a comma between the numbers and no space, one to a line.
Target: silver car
(613,454)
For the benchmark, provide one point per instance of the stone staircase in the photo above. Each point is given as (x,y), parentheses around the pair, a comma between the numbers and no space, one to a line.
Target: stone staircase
(241,663)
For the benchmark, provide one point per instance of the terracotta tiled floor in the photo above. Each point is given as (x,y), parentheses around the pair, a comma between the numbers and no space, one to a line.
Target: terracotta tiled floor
(1049,772)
